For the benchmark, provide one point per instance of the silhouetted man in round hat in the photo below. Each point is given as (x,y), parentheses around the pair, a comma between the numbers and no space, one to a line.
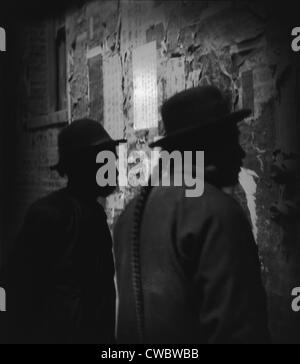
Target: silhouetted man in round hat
(61,275)
(187,267)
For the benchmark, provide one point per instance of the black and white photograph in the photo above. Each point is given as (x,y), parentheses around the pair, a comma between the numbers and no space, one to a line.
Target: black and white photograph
(149,175)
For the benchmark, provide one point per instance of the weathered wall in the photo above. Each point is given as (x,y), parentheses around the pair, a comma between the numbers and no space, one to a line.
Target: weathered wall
(231,45)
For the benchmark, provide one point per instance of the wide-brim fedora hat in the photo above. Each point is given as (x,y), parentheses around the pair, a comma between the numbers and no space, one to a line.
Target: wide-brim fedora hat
(82,135)
(193,111)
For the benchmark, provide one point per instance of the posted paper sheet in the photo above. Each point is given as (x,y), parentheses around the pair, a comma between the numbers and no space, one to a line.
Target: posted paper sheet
(113,97)
(145,102)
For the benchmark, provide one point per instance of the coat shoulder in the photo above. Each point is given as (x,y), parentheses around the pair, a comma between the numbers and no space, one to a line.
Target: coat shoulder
(215,202)
(49,208)
(213,211)
(222,203)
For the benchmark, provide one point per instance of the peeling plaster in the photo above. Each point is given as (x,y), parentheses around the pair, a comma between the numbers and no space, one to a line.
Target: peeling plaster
(248,183)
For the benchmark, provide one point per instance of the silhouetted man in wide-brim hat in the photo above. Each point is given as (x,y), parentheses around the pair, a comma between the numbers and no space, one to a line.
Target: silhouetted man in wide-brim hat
(188,268)
(60,284)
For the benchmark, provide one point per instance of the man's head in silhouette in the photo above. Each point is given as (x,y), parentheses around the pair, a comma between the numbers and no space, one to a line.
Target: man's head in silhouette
(79,144)
(200,119)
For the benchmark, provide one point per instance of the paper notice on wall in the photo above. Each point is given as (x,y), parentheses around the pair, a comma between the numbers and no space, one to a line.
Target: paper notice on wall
(175,77)
(96,88)
(113,97)
(145,93)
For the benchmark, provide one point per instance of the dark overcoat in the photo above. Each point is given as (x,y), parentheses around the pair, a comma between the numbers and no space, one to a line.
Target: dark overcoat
(60,277)
(200,272)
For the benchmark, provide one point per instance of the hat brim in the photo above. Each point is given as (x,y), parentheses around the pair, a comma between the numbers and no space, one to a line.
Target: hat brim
(107,143)
(101,144)
(234,117)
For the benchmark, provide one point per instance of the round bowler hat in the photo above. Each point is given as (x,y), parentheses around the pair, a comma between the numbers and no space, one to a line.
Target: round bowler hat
(194,110)
(81,135)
